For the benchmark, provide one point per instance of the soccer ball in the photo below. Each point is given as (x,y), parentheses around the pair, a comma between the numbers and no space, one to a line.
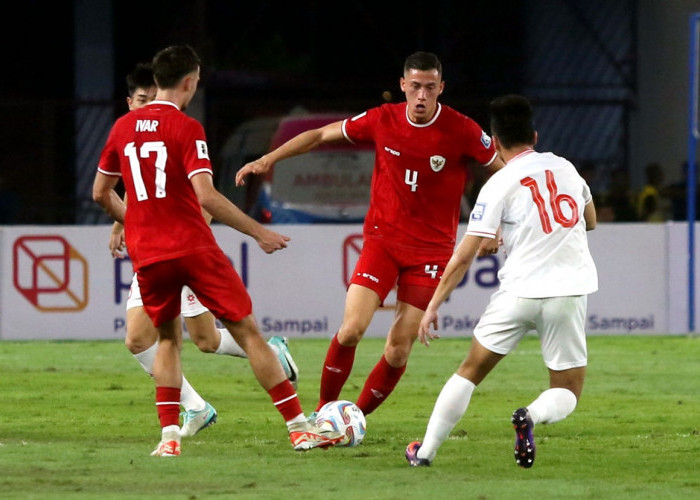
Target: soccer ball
(343,416)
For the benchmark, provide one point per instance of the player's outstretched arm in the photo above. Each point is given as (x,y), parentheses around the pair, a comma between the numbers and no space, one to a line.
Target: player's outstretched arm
(227,213)
(455,270)
(300,144)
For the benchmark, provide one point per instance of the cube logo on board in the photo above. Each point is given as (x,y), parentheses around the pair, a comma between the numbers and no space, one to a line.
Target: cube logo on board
(50,273)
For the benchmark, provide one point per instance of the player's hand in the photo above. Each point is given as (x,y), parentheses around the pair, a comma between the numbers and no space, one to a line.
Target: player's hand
(488,246)
(430,318)
(117,244)
(257,167)
(271,241)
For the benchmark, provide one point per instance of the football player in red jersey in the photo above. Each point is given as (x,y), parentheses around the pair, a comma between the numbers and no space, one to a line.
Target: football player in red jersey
(142,337)
(162,156)
(421,154)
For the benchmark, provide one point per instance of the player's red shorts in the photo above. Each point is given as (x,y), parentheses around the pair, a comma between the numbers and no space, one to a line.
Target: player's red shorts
(211,277)
(416,271)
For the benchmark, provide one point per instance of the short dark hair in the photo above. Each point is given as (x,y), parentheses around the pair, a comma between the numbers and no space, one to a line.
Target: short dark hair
(141,77)
(422,61)
(511,120)
(173,63)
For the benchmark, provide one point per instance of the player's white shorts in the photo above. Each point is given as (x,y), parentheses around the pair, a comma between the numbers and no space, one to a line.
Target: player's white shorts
(559,322)
(190,306)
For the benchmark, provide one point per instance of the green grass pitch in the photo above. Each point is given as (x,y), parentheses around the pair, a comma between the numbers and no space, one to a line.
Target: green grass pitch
(78,420)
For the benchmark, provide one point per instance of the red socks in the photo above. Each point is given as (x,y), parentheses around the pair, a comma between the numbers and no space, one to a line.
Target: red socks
(379,385)
(168,405)
(336,370)
(285,400)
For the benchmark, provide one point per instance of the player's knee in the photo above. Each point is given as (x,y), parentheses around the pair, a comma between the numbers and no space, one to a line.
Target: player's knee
(203,332)
(397,354)
(206,340)
(350,334)
(132,346)
(205,343)
(136,344)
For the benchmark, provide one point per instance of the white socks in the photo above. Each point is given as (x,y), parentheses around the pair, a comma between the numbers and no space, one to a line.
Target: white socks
(147,357)
(552,406)
(170,433)
(229,346)
(449,409)
(299,419)
(189,398)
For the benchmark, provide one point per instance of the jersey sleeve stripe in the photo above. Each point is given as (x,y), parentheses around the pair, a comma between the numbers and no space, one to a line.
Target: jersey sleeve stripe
(491,160)
(482,234)
(112,174)
(199,171)
(345,133)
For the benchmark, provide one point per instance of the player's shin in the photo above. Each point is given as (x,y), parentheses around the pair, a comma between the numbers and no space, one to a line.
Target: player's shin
(380,383)
(336,370)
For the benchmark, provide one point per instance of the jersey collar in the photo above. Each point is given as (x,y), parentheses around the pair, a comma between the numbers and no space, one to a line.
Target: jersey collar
(170,103)
(521,154)
(421,125)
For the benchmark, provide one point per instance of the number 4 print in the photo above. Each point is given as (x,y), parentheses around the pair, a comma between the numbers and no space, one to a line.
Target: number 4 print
(555,202)
(411,178)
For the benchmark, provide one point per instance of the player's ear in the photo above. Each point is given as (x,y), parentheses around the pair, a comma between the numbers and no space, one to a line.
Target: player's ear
(535,142)
(496,142)
(187,83)
(442,86)
(402,84)
(190,81)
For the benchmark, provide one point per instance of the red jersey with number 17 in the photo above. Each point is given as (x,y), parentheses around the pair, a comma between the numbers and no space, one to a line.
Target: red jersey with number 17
(419,172)
(157,149)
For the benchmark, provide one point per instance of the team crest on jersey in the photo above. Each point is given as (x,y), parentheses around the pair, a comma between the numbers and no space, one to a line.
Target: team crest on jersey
(437,162)
(478,212)
(485,140)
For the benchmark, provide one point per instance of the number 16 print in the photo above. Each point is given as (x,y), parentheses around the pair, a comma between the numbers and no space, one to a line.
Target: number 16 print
(555,201)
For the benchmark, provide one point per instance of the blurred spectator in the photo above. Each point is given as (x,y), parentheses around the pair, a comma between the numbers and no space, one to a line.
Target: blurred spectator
(651,207)
(618,202)
(677,195)
(604,211)
(587,169)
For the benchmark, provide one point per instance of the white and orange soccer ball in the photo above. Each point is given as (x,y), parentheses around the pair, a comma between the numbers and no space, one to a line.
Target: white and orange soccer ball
(345,417)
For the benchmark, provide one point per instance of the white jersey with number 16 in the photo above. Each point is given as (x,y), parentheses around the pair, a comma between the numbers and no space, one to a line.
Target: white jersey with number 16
(538,200)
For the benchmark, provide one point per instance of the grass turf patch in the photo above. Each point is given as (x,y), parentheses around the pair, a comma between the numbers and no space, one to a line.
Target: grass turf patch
(78,420)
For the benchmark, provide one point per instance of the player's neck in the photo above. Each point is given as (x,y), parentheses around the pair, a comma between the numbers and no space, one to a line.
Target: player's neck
(170,95)
(508,154)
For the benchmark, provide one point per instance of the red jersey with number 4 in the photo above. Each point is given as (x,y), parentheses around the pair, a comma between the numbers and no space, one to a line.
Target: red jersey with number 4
(419,172)
(156,150)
